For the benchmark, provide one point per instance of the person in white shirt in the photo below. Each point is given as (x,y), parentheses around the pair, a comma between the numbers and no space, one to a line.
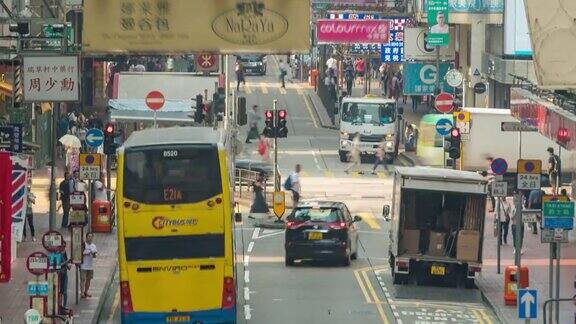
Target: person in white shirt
(87,266)
(440,27)
(295,185)
(100,189)
(354,154)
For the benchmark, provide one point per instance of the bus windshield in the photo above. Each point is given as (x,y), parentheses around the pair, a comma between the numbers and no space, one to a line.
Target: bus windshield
(172,175)
(368,113)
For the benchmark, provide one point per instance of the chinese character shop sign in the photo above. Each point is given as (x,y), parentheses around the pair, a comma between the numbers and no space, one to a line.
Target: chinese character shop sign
(51,78)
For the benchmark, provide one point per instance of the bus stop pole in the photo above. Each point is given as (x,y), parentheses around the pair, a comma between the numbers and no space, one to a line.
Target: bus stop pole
(557,308)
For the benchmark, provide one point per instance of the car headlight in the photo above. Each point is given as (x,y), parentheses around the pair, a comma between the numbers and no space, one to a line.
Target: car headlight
(389,144)
(259,63)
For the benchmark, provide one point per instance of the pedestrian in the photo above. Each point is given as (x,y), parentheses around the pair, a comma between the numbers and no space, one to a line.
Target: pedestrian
(505,225)
(283,72)
(400,86)
(379,156)
(259,205)
(410,142)
(349,78)
(415,102)
(87,266)
(489,176)
(292,183)
(72,158)
(239,70)
(564,193)
(535,202)
(31,200)
(253,121)
(65,189)
(554,170)
(396,86)
(99,189)
(360,68)
(63,275)
(263,148)
(331,66)
(383,70)
(510,208)
(354,154)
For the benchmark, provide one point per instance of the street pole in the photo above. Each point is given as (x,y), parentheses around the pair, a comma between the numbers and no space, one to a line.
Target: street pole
(155,126)
(437,88)
(517,242)
(276,173)
(89,200)
(499,231)
(557,308)
(551,277)
(108,176)
(52,217)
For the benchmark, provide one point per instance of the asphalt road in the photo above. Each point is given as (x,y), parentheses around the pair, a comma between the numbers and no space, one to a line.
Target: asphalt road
(270,292)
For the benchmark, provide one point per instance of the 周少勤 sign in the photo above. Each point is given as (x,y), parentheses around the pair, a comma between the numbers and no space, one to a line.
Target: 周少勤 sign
(224,26)
(50,78)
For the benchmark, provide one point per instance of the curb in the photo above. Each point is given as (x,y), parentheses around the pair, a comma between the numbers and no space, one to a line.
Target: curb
(317,115)
(107,286)
(492,307)
(405,160)
(270,225)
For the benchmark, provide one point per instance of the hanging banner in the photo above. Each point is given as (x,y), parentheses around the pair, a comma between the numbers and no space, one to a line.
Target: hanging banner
(438,22)
(5,216)
(223,26)
(336,31)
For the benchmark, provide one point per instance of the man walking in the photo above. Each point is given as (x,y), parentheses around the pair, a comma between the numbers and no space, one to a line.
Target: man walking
(283,73)
(65,188)
(505,224)
(535,202)
(239,69)
(554,170)
(87,266)
(30,214)
(293,184)
(253,121)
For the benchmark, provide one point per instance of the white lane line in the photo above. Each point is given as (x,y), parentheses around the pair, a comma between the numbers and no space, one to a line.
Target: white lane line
(255,233)
(246,293)
(247,312)
(271,234)
(250,246)
(246,260)
(247,276)
(393,307)
(387,294)
(316,160)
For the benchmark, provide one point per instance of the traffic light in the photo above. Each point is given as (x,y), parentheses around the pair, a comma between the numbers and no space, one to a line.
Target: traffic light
(199,114)
(281,129)
(241,117)
(269,130)
(455,139)
(563,135)
(109,134)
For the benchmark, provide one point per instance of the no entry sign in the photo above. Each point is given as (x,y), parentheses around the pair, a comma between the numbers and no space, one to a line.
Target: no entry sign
(155,100)
(444,102)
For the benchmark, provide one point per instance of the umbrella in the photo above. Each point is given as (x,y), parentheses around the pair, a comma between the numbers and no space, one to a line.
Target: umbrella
(70,141)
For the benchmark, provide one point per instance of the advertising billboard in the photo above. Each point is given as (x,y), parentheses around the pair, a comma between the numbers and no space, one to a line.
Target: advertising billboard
(420,78)
(184,26)
(337,31)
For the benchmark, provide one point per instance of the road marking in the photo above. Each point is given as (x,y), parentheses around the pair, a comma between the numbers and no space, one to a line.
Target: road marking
(264,88)
(247,276)
(487,317)
(247,313)
(115,304)
(375,297)
(304,173)
(247,89)
(282,91)
(246,260)
(255,233)
(370,220)
(250,247)
(362,287)
(299,90)
(270,234)
(329,174)
(246,293)
(382,175)
(309,108)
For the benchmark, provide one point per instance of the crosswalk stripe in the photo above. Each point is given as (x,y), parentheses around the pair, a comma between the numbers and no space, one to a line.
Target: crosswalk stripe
(329,174)
(247,89)
(370,220)
(299,91)
(282,91)
(264,88)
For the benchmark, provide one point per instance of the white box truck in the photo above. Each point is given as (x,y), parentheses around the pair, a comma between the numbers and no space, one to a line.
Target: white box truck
(437,225)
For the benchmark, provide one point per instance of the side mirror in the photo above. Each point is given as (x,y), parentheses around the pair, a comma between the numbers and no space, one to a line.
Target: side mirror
(386,211)
(400,110)
(238,217)
(357,218)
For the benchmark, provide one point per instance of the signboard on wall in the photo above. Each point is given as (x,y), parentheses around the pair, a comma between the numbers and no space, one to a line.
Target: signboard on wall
(50,78)
(337,31)
(417,48)
(420,78)
(516,34)
(224,26)
(474,6)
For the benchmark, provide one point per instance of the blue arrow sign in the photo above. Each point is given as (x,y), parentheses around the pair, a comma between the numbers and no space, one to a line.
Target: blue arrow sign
(94,137)
(527,303)
(443,126)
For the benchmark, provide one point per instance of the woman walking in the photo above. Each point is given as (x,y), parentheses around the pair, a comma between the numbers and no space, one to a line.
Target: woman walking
(354,154)
(259,205)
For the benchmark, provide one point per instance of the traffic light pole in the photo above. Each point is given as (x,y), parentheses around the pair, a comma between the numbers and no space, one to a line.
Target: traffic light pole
(54,140)
(276,173)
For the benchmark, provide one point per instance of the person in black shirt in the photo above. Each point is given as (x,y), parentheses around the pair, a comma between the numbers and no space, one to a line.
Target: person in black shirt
(64,189)
(554,170)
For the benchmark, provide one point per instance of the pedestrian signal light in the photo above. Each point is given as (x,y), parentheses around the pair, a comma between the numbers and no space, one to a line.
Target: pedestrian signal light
(455,139)
(269,129)
(563,135)
(199,113)
(281,128)
(109,135)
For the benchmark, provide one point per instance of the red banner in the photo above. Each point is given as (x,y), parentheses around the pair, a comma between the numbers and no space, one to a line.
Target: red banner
(5,216)
(341,31)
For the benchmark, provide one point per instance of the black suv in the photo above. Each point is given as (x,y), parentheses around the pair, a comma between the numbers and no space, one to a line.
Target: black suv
(321,230)
(253,64)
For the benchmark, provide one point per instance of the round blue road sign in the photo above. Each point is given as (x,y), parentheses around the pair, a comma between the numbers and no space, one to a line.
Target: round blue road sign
(499,166)
(529,166)
(443,126)
(94,137)
(90,159)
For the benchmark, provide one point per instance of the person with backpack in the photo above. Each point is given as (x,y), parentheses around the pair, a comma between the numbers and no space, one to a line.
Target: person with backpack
(554,170)
(292,183)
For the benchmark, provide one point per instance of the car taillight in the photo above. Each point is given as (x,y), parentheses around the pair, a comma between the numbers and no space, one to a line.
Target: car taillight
(338,225)
(228,293)
(126,297)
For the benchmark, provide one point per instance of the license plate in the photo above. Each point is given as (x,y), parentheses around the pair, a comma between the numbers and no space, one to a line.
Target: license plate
(438,270)
(315,235)
(178,319)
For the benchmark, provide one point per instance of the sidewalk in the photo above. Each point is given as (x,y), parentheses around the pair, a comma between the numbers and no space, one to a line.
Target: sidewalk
(536,258)
(86,311)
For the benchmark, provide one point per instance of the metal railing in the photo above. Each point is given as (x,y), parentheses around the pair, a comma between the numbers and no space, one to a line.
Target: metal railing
(550,301)
(244,180)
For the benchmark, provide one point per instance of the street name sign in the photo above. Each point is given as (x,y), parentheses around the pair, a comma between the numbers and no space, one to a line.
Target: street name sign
(527,303)
(516,127)
(558,214)
(529,174)
(90,166)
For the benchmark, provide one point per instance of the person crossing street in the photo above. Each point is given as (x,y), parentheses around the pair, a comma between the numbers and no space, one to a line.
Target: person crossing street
(354,155)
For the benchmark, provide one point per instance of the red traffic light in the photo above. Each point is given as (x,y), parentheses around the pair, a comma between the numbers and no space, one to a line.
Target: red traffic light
(268,114)
(455,133)
(282,114)
(109,129)
(563,135)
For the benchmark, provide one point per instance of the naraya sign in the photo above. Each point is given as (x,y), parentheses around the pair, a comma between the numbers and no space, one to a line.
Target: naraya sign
(172,26)
(334,31)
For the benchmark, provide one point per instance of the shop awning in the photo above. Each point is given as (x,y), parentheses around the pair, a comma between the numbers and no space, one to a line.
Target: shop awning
(136,110)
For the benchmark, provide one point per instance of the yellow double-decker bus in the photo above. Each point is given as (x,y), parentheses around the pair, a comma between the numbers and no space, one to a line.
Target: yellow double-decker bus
(175,239)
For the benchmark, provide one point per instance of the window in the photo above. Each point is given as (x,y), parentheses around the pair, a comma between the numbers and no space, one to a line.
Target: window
(174,247)
(172,174)
(368,113)
(328,215)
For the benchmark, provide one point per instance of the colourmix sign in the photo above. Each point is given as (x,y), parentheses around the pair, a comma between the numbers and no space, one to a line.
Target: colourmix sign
(223,26)
(335,31)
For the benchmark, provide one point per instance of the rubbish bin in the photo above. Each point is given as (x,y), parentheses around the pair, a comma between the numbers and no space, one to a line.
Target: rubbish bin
(313,77)
(511,286)
(101,217)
